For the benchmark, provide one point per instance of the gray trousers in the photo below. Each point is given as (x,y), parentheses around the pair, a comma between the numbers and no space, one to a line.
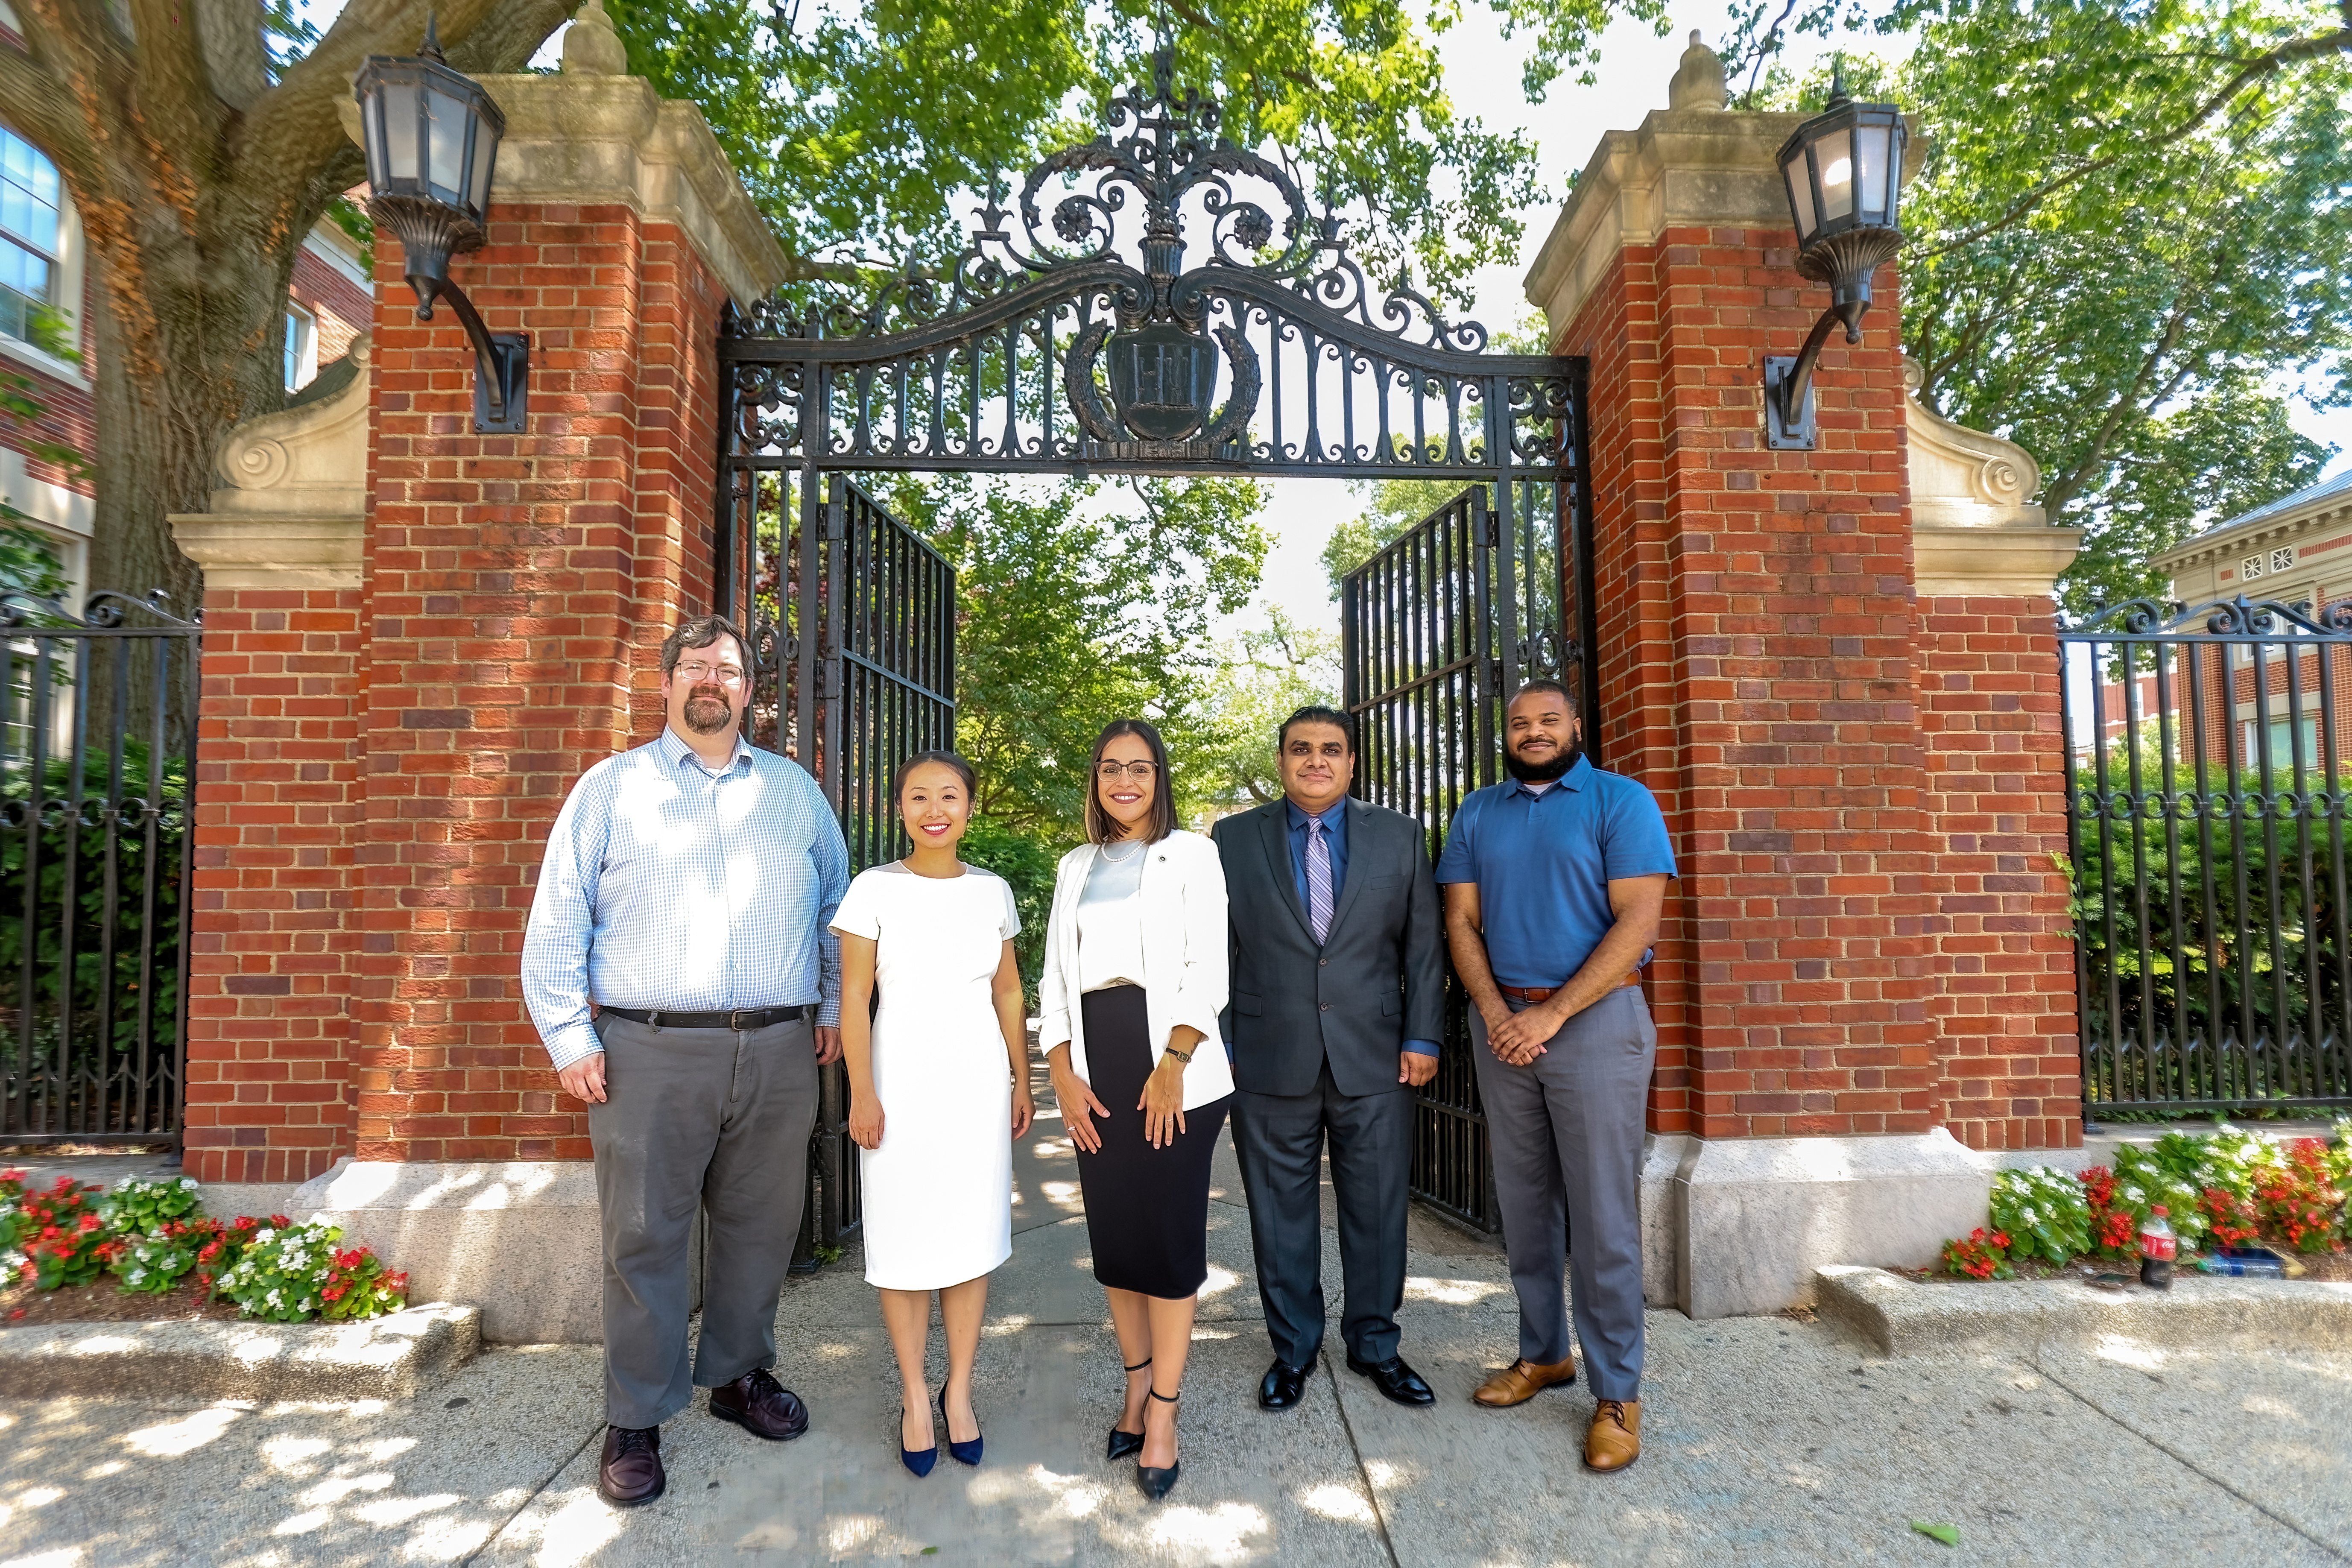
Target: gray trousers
(1567,1137)
(697,1119)
(1279,1139)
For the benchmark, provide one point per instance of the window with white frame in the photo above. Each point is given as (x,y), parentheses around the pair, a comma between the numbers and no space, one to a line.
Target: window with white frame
(2282,735)
(301,347)
(28,233)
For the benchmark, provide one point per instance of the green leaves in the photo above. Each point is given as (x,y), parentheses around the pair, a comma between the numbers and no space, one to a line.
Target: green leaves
(2129,240)
(858,129)
(1949,1534)
(2042,1212)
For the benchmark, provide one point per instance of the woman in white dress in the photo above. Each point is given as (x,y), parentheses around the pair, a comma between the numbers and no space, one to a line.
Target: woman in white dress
(938,1087)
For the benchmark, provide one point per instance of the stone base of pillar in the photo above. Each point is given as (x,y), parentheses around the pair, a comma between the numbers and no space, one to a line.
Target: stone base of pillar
(1753,1217)
(519,1239)
(1661,1162)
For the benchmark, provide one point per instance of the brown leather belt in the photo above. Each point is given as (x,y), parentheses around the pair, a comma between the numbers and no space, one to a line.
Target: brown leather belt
(1544,993)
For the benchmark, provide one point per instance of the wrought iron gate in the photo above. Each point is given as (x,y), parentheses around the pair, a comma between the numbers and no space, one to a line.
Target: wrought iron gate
(1081,344)
(1436,632)
(2208,812)
(853,668)
(97,755)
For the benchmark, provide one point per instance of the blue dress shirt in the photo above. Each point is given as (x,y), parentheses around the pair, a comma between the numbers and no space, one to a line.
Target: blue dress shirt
(668,886)
(1543,863)
(1335,833)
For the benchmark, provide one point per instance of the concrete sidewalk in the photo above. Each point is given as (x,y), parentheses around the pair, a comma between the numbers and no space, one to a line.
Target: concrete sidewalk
(1768,1441)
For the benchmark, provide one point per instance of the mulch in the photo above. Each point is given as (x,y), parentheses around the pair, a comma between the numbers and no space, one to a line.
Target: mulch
(21,1305)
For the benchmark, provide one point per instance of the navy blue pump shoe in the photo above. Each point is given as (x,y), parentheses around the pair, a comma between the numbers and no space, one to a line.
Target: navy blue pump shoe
(962,1453)
(919,1461)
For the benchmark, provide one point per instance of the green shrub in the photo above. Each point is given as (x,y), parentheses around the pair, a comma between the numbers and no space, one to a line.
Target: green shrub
(142,1208)
(2042,1212)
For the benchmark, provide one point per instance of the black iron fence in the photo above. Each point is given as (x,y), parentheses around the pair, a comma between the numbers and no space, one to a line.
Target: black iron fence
(1435,630)
(2209,807)
(853,668)
(97,756)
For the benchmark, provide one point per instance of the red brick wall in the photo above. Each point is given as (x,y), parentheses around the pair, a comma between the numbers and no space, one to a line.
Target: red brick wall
(340,307)
(269,1063)
(1760,675)
(517,591)
(2010,1069)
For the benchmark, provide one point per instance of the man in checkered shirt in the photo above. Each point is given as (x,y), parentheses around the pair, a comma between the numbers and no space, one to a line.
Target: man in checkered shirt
(687,893)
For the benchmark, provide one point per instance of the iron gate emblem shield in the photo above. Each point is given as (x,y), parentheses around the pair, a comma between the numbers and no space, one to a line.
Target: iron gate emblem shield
(1163,376)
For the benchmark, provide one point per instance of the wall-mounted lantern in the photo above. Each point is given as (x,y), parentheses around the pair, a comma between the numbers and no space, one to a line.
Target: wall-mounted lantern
(432,137)
(1844,173)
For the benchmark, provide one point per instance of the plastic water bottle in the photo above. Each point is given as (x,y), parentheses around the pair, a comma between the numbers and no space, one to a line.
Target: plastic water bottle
(2157,1247)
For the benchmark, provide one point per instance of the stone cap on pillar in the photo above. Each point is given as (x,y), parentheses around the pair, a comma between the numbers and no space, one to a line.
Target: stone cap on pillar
(290,511)
(1692,166)
(590,137)
(1975,529)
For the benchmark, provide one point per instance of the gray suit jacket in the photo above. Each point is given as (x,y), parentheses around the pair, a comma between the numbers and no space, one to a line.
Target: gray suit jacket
(1378,980)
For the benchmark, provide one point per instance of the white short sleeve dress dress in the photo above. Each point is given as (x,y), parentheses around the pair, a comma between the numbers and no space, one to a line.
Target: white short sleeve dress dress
(939,1191)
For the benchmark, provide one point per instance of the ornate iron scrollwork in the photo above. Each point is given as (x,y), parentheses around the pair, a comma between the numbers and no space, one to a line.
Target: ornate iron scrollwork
(1059,338)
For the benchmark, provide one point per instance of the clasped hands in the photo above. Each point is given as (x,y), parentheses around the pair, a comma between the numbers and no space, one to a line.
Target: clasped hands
(1517,1039)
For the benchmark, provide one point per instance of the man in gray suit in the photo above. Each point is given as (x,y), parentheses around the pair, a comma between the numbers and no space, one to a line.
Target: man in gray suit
(1339,998)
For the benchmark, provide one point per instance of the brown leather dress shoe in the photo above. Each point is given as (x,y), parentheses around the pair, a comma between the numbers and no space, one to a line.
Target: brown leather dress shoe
(761,1407)
(1615,1439)
(630,1470)
(1522,1380)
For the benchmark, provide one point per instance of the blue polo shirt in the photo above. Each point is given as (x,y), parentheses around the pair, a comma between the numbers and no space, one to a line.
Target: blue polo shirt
(1543,864)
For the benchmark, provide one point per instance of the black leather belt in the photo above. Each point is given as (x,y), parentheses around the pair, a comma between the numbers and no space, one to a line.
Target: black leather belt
(741,1020)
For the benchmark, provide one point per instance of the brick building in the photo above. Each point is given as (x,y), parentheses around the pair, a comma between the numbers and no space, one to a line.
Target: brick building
(44,264)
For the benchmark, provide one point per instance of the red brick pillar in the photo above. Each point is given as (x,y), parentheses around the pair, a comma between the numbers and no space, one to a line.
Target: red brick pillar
(1765,671)
(513,592)
(278,789)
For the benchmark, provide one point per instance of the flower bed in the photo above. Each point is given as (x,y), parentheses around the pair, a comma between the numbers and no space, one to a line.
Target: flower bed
(2227,1188)
(155,1241)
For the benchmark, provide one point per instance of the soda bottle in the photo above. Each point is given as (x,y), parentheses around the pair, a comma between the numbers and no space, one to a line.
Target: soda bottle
(2157,1247)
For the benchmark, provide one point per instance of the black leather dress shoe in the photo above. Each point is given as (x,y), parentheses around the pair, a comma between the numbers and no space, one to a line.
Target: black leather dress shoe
(630,1472)
(1282,1386)
(761,1407)
(1395,1379)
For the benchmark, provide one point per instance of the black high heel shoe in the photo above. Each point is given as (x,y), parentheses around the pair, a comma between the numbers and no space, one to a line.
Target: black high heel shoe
(1122,1444)
(1151,1481)
(919,1461)
(962,1453)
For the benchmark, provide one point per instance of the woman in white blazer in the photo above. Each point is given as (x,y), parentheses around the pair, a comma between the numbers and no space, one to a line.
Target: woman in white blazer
(1134,980)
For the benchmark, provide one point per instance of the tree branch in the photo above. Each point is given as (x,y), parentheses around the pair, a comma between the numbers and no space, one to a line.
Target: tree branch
(43,113)
(2250,72)
(229,34)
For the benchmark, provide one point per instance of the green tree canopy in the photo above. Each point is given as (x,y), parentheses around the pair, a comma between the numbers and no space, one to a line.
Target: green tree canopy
(2130,235)
(1079,602)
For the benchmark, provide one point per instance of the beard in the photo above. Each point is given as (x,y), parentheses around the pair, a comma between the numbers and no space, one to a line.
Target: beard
(708,711)
(1526,772)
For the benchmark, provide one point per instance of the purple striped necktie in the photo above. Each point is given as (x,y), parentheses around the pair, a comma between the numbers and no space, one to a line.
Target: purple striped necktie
(1318,879)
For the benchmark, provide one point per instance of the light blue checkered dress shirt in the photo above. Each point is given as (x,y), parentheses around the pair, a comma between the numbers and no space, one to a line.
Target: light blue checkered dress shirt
(650,851)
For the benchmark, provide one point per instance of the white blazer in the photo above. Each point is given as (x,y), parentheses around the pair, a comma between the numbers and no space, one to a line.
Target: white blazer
(1184,958)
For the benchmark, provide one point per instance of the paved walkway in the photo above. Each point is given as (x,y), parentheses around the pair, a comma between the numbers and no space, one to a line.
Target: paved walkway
(1769,1441)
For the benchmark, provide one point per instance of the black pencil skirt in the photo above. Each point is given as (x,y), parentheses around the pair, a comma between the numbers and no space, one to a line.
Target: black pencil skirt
(1147,1209)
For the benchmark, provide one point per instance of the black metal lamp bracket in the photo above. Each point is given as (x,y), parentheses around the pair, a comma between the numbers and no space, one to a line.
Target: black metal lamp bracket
(501,364)
(1789,383)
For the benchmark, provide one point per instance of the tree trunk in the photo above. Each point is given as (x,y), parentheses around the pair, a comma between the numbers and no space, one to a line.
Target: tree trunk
(162,416)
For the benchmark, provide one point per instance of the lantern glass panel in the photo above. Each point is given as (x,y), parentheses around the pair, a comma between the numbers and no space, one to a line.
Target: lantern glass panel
(446,161)
(1801,196)
(478,189)
(1835,152)
(399,130)
(1870,171)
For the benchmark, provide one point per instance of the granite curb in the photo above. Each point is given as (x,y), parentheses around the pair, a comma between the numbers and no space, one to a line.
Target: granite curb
(1901,1317)
(392,1357)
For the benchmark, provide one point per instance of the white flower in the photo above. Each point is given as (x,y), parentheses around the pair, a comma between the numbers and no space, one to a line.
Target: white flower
(2030,1217)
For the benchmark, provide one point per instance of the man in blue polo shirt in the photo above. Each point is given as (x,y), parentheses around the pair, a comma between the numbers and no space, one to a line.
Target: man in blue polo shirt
(1553,883)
